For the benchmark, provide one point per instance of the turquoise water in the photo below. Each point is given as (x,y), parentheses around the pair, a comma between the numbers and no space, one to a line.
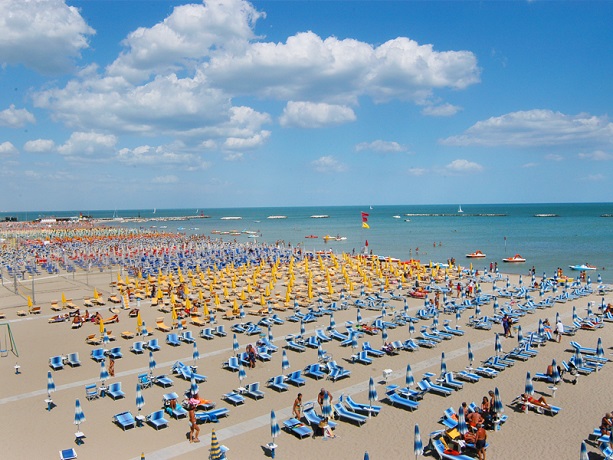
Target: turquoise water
(579,235)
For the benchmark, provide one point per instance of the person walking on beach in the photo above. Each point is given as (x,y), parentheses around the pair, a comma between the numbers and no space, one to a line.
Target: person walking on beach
(559,329)
(194,429)
(481,436)
(321,396)
(297,409)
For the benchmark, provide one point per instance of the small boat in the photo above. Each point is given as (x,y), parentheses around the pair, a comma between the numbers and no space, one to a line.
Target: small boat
(582,267)
(320,216)
(231,218)
(460,208)
(277,217)
(476,255)
(407,220)
(515,259)
(311,236)
(396,217)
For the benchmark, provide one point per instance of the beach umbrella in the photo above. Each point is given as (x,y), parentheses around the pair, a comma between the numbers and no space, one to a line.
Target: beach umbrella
(152,363)
(406,306)
(496,304)
(139,323)
(103,372)
(497,345)
(411,329)
(140,401)
(578,359)
(529,388)
(418,447)
(270,336)
(193,386)
(215,452)
(409,380)
(589,309)
(599,349)
(443,364)
(354,340)
(477,311)
(241,373)
(235,346)
(557,317)
(384,334)
(589,280)
(520,334)
(508,283)
(241,311)
(332,322)
(359,317)
(105,338)
(284,361)
(79,417)
(326,409)
(541,327)
(471,357)
(366,456)
(599,278)
(143,330)
(50,384)
(372,394)
(274,428)
(498,407)
(320,352)
(574,314)
(583,455)
(435,322)
(458,317)
(462,427)
(556,374)
(521,280)
(302,327)
(195,353)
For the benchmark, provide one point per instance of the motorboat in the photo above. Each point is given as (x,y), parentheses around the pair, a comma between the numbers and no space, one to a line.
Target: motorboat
(396,217)
(582,267)
(311,236)
(515,259)
(476,255)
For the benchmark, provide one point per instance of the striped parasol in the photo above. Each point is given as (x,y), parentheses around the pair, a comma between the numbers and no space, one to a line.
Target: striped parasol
(241,373)
(50,384)
(326,409)
(269,308)
(235,345)
(471,357)
(529,387)
(411,329)
(241,312)
(574,313)
(284,361)
(79,417)
(599,279)
(583,455)
(478,311)
(589,309)
(302,327)
(521,280)
(496,304)
(274,426)
(508,283)
(332,322)
(105,337)
(409,380)
(578,358)
(497,345)
(270,336)
(443,364)
(152,362)
(418,447)
(435,322)
(541,327)
(599,349)
(140,400)
(103,372)
(372,394)
(498,407)
(215,452)
(520,334)
(366,456)
(354,340)
(406,306)
(462,427)
(195,353)
(458,317)
(384,334)
(359,316)
(556,374)
(143,330)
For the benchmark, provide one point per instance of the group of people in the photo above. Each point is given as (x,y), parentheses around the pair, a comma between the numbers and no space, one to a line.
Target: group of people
(476,420)
(324,424)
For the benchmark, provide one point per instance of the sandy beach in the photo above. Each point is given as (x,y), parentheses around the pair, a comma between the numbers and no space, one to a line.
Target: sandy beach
(35,432)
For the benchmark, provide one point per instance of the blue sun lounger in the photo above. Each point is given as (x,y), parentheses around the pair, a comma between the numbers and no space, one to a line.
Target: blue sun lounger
(295,346)
(173,339)
(277,383)
(298,428)
(467,376)
(178,411)
(207,333)
(253,390)
(137,348)
(314,419)
(295,378)
(233,398)
(73,360)
(212,415)
(345,414)
(397,400)
(187,337)
(231,364)
(115,353)
(68,454)
(163,381)
(98,355)
(114,391)
(156,419)
(125,420)
(56,363)
(362,358)
(314,371)
(152,345)
(426,385)
(360,408)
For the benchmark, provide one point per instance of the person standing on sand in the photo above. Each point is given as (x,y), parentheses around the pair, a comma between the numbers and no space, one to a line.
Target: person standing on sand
(194,429)
(481,436)
(297,409)
(559,329)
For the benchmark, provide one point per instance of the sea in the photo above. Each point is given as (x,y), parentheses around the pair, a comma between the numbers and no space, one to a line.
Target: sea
(549,236)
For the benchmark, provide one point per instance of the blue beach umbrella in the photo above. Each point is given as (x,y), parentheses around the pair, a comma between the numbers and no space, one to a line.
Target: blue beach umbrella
(497,345)
(332,322)
(50,384)
(498,407)
(235,345)
(269,308)
(541,327)
(195,353)
(241,373)
(193,386)
(529,387)
(105,337)
(557,317)
(326,409)
(583,455)
(443,364)
(359,316)
(383,313)
(241,311)
(411,329)
(79,417)
(270,336)
(354,340)
(574,313)
(462,427)
(589,280)
(103,372)
(274,426)
(140,401)
(152,363)
(508,283)
(556,374)
(418,447)
(406,306)
(409,380)
(599,278)
(599,349)
(143,330)
(435,322)
(372,394)
(471,357)
(302,327)
(284,361)
(578,359)
(496,304)
(589,309)
(520,334)
(521,280)
(366,456)
(477,311)
(458,317)
(384,334)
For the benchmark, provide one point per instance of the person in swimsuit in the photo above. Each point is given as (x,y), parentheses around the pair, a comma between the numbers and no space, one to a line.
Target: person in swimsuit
(480,443)
(194,429)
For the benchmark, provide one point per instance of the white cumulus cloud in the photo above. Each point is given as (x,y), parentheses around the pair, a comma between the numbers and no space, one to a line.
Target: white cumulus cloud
(553,157)
(464,166)
(146,155)
(442,110)
(39,146)
(90,145)
(16,118)
(44,35)
(170,179)
(381,146)
(328,164)
(315,115)
(7,149)
(598,155)
(417,171)
(536,128)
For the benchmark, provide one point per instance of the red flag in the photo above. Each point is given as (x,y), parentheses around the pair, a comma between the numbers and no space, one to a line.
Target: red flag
(366,244)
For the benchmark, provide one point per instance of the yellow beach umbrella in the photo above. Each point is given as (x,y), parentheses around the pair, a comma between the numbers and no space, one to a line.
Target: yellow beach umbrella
(262,301)
(96,295)
(63,299)
(235,307)
(243,296)
(101,327)
(139,323)
(205,309)
(174,315)
(30,304)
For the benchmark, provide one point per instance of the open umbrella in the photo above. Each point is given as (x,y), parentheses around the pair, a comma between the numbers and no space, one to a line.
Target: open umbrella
(409,380)
(529,388)
(103,372)
(462,427)
(599,349)
(195,353)
(497,345)
(140,401)
(284,361)
(274,431)
(152,363)
(326,409)
(471,357)
(235,345)
(443,364)
(372,394)
(215,452)
(50,384)
(79,417)
(418,447)
(241,373)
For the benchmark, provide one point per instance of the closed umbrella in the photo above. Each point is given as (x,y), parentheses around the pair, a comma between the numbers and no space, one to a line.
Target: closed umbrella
(103,372)
(521,280)
(589,309)
(270,336)
(302,327)
(529,388)
(241,311)
(359,317)
(409,380)
(406,306)
(366,456)
(152,363)
(384,334)
(195,353)
(241,373)
(599,349)
(411,329)
(556,374)
(497,345)
(140,401)
(498,408)
(235,345)
(79,417)
(284,361)
(458,317)
(372,394)
(435,322)
(332,322)
(50,384)
(326,409)
(215,452)
(274,431)
(574,314)
(520,334)
(144,332)
(583,455)
(471,357)
(462,427)
(418,447)
(105,337)
(443,365)
(477,311)
(193,386)
(541,328)
(354,340)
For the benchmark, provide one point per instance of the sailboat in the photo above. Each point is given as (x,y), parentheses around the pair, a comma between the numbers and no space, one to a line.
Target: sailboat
(460,208)
(153,210)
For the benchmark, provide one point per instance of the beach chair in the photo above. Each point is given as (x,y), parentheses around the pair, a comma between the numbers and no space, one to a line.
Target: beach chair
(467,376)
(277,383)
(159,324)
(292,345)
(336,372)
(163,380)
(253,390)
(93,340)
(486,372)
(231,364)
(128,335)
(371,351)
(187,337)
(68,454)
(410,345)
(297,428)
(362,358)
(312,342)
(56,363)
(272,348)
(233,398)
(145,380)
(178,411)
(199,322)
(207,333)
(551,410)
(313,419)
(295,378)
(583,350)
(125,420)
(91,392)
(397,400)
(137,348)
(173,339)
(344,414)
(152,345)
(253,329)
(440,449)
(98,354)
(452,383)
(211,415)
(426,385)
(321,336)
(115,353)
(262,354)
(220,331)
(114,391)
(360,408)
(314,371)
(338,336)
(156,419)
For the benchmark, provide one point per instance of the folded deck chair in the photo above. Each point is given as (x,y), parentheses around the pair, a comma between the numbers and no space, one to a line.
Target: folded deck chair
(156,419)
(298,428)
(91,392)
(360,408)
(56,363)
(125,420)
(344,414)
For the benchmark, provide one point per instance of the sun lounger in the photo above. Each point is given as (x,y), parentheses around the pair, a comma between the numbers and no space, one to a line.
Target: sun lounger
(253,390)
(467,376)
(231,364)
(583,350)
(137,348)
(360,408)
(187,337)
(98,354)
(551,410)
(173,339)
(344,414)
(220,331)
(127,335)
(362,358)
(292,345)
(152,345)
(314,371)
(338,336)
(163,381)
(298,428)
(178,411)
(156,419)
(440,449)
(207,333)
(211,415)
(426,385)
(56,363)
(336,372)
(451,382)
(125,420)
(159,324)
(314,419)
(91,392)
(93,340)
(371,351)
(277,383)
(68,454)
(114,391)
(262,354)
(397,400)
(233,398)
(319,333)
(486,372)
(295,378)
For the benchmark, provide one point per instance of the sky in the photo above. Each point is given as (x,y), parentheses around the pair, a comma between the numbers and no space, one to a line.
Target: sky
(136,104)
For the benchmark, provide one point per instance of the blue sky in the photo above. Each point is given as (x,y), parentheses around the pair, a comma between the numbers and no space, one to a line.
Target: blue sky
(156,104)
